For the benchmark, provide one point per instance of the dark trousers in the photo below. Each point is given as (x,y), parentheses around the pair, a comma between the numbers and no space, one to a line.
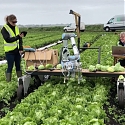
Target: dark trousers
(11,59)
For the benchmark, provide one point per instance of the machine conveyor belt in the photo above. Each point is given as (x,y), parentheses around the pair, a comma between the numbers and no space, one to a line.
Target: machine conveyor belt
(85,72)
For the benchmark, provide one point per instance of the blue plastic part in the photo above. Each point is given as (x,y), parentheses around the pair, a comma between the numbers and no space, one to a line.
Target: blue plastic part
(66,36)
(74,57)
(29,49)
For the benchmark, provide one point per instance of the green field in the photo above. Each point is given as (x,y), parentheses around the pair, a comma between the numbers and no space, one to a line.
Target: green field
(92,102)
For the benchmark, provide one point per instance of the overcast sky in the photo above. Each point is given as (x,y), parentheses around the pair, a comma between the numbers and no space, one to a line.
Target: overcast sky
(57,11)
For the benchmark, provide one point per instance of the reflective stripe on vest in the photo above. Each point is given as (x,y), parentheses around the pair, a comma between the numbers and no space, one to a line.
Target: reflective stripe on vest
(9,44)
(13,45)
(7,28)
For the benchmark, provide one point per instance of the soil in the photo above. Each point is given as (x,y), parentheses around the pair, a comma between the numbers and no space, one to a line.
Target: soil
(9,106)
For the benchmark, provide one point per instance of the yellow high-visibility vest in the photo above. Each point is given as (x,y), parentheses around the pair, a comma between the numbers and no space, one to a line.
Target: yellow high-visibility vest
(13,45)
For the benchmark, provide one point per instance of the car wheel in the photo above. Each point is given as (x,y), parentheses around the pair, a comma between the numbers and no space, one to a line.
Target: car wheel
(65,30)
(107,29)
(82,30)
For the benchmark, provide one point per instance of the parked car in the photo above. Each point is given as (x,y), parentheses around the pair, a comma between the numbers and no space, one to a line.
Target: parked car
(72,27)
(115,23)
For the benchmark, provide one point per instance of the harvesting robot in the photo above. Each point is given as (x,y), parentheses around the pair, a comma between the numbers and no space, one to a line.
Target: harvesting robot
(70,63)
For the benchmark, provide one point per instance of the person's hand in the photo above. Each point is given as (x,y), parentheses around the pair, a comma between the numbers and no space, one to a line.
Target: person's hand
(21,52)
(21,35)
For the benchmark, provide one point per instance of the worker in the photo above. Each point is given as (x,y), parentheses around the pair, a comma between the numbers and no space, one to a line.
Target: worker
(12,46)
(121,42)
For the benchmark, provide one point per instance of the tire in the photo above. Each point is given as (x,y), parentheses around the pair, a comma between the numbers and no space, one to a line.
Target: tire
(107,29)
(121,98)
(20,92)
(82,30)
(65,30)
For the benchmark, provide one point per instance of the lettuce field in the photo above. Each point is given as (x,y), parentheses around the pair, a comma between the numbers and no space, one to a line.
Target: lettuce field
(92,102)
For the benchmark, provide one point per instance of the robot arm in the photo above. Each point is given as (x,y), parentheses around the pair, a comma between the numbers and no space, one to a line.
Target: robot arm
(65,38)
(69,63)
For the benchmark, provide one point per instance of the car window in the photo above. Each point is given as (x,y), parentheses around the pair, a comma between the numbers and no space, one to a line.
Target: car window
(111,20)
(121,18)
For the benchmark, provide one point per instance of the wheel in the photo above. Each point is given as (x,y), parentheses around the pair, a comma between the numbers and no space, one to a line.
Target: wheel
(82,30)
(107,29)
(20,93)
(121,98)
(65,30)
